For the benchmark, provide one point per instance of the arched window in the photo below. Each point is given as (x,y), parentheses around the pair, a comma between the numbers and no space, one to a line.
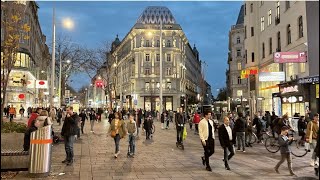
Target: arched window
(288,34)
(300,23)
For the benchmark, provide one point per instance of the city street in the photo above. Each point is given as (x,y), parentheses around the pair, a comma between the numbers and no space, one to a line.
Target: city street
(160,159)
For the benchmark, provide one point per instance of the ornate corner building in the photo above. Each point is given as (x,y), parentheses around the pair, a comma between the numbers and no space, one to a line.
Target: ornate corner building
(134,65)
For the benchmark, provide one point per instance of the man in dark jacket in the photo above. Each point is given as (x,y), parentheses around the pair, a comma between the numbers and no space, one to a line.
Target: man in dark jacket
(226,140)
(180,121)
(69,130)
(240,128)
(83,117)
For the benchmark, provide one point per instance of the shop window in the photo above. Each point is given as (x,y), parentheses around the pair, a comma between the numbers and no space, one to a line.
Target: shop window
(302,67)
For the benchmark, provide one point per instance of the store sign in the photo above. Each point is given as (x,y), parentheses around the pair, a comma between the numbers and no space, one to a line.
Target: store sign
(290,57)
(307,80)
(271,76)
(42,84)
(250,71)
(292,99)
(289,89)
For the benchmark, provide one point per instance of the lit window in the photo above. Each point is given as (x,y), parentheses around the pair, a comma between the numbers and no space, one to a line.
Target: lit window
(302,67)
(239,66)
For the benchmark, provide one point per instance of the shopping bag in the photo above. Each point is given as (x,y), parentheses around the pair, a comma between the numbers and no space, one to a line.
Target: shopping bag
(184,135)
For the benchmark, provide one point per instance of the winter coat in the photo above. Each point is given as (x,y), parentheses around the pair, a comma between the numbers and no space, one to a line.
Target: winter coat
(27,135)
(32,118)
(70,125)
(240,125)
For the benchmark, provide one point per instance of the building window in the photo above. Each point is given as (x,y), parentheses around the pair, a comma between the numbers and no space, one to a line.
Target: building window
(239,66)
(147,43)
(147,85)
(238,52)
(168,43)
(239,80)
(158,43)
(287,5)
(169,85)
(288,34)
(147,57)
(262,23)
(300,22)
(252,57)
(278,42)
(238,40)
(246,56)
(270,45)
(168,70)
(278,13)
(157,57)
(168,57)
(302,67)
(251,7)
(263,51)
(252,31)
(269,17)
(147,71)
(245,8)
(239,93)
(245,32)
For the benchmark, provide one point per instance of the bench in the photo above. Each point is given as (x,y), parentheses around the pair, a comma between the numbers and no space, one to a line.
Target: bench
(13,158)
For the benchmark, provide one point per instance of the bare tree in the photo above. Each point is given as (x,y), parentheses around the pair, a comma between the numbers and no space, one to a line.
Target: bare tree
(14,28)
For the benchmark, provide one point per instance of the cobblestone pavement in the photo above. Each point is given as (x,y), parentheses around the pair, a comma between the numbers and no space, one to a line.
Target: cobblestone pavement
(160,159)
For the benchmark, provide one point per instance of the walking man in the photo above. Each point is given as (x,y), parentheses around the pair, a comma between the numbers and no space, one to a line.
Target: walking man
(226,140)
(206,133)
(69,130)
(180,121)
(312,135)
(240,127)
(83,117)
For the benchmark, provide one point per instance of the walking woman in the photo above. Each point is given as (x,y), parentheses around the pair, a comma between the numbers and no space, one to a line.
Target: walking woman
(117,130)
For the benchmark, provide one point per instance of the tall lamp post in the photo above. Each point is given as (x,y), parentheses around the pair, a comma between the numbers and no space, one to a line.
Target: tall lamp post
(60,77)
(160,96)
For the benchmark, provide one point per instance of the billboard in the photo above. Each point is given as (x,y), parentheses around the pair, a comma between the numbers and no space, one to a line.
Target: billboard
(42,84)
(271,76)
(290,57)
(249,71)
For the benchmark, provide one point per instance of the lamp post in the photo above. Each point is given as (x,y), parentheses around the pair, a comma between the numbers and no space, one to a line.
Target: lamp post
(60,77)
(160,96)
(53,62)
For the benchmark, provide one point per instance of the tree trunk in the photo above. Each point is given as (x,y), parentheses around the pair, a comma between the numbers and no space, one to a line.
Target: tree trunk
(4,91)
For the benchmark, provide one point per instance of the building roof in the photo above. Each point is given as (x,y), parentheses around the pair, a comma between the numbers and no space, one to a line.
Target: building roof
(153,15)
(241,15)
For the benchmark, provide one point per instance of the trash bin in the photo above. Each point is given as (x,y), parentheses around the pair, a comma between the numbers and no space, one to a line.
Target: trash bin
(40,151)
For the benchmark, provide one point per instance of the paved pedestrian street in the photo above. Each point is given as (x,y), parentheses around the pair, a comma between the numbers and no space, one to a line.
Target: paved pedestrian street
(160,159)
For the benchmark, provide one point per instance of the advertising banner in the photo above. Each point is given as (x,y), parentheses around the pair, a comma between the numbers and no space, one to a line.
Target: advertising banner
(290,57)
(271,76)
(42,84)
(250,71)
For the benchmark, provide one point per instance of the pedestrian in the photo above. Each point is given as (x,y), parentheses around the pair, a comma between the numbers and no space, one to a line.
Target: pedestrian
(111,116)
(21,112)
(59,116)
(285,151)
(162,120)
(248,132)
(44,118)
(196,120)
(12,112)
(5,111)
(167,119)
(33,116)
(231,119)
(180,121)
(302,126)
(274,122)
(117,130)
(257,122)
(240,127)
(132,131)
(83,117)
(92,116)
(29,111)
(226,140)
(27,135)
(53,113)
(312,135)
(316,167)
(69,130)
(147,125)
(206,134)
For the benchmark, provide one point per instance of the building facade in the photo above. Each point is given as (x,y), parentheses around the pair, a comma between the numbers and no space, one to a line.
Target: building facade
(134,64)
(31,63)
(238,89)
(270,27)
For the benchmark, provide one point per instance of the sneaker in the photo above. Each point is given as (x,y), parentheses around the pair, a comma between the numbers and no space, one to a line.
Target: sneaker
(227,168)
(69,163)
(115,155)
(243,151)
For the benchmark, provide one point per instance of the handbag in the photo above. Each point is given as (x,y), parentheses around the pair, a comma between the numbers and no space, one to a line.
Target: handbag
(113,133)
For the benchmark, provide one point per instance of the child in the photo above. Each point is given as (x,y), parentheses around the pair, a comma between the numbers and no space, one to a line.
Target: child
(285,151)
(132,131)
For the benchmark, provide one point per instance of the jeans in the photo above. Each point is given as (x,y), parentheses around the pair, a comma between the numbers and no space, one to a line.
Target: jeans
(11,117)
(208,150)
(179,134)
(82,125)
(148,133)
(91,123)
(117,143)
(167,124)
(68,145)
(196,127)
(312,147)
(228,156)
(289,161)
(240,139)
(248,137)
(132,144)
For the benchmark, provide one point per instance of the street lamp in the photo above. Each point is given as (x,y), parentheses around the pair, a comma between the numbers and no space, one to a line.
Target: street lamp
(60,75)
(67,24)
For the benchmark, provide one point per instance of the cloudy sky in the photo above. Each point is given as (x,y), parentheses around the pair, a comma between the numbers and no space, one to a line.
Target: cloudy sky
(205,24)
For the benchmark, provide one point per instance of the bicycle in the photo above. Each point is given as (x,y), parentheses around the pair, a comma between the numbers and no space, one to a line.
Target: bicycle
(296,146)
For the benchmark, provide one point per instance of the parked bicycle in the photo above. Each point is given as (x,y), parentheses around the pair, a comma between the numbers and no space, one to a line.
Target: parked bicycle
(297,147)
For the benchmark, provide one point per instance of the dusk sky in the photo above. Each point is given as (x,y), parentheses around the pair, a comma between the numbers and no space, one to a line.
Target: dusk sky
(205,24)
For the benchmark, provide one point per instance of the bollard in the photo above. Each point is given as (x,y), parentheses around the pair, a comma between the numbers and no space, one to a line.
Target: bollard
(40,152)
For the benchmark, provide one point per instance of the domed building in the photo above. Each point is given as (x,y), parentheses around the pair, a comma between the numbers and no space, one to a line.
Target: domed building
(134,70)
